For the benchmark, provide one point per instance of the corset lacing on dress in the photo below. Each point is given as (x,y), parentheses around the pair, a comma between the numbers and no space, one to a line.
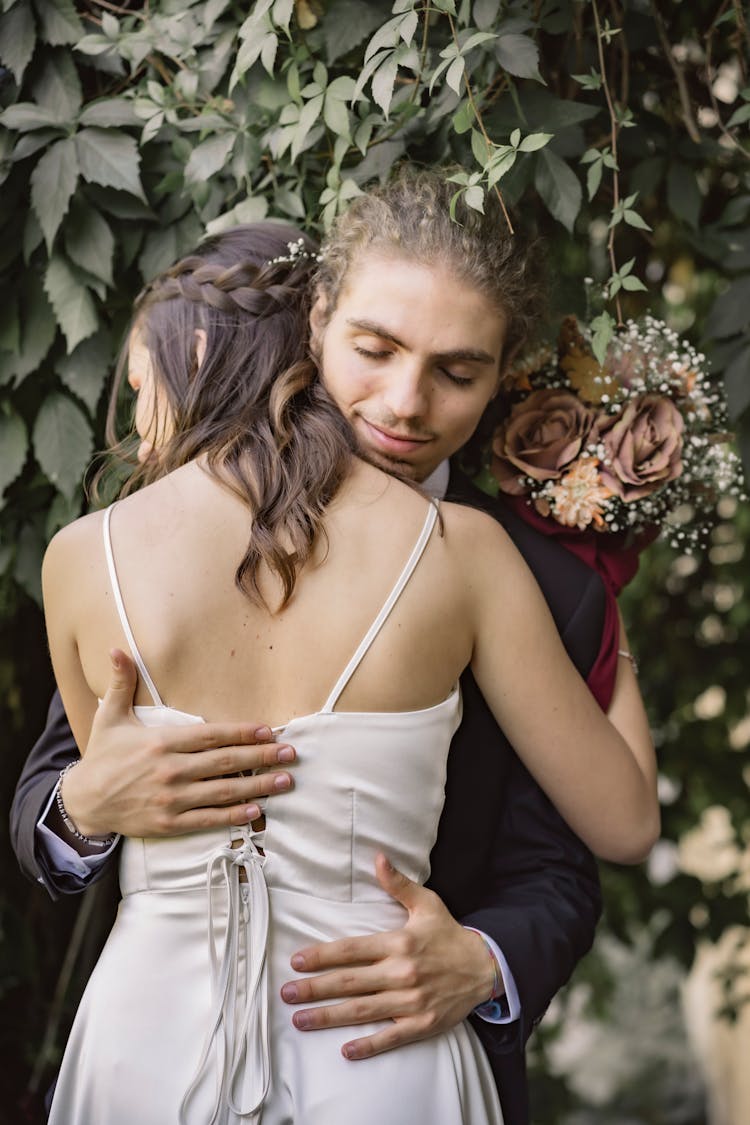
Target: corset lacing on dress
(237,1045)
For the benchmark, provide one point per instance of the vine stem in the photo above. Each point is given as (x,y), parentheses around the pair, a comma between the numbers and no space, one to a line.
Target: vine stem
(614,129)
(120,11)
(422,52)
(679,73)
(709,85)
(480,122)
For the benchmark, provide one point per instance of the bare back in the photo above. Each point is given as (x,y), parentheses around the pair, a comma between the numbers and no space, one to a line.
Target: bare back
(213,652)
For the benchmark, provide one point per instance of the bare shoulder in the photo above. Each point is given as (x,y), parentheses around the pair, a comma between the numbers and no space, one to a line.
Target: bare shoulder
(476,533)
(72,547)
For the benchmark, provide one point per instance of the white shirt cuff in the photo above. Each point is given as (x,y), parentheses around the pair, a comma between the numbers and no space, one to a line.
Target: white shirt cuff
(507,1008)
(64,859)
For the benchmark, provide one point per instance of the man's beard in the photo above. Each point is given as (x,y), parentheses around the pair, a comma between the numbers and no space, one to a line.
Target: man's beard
(392,465)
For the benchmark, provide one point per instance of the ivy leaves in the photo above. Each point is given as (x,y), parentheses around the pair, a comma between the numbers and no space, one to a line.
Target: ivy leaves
(123,139)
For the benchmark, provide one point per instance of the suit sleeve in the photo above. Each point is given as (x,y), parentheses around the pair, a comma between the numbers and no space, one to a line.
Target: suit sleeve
(54,749)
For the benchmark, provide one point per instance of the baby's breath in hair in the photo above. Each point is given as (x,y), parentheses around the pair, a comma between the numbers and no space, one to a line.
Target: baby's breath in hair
(297,252)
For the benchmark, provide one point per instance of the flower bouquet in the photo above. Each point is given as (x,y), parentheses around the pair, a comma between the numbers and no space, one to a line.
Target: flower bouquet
(631,447)
(607,456)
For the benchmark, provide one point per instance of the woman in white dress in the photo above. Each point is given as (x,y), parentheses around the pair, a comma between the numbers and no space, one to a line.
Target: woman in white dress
(265,569)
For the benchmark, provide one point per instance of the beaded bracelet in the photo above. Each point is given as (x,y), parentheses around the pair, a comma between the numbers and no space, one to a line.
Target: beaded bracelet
(629,656)
(93,841)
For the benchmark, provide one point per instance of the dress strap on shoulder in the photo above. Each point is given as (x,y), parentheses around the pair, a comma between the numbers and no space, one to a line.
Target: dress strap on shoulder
(380,620)
(142,669)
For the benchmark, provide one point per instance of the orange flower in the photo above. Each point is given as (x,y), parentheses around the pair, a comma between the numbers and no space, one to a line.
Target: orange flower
(578,496)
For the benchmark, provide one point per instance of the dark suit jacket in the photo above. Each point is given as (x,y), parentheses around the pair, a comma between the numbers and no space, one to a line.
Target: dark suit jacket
(504,861)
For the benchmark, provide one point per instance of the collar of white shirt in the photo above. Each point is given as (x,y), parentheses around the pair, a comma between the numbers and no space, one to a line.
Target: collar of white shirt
(436,484)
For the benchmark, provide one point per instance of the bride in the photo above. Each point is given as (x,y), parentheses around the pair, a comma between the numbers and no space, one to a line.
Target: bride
(266,568)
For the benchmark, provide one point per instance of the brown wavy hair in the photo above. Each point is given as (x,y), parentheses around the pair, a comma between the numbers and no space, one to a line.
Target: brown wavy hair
(254,408)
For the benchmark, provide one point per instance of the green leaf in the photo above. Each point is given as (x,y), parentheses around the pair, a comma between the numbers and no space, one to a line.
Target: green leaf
(86,370)
(736,383)
(633,284)
(559,188)
(683,194)
(14,444)
(10,326)
(485,13)
(63,442)
(18,38)
(603,329)
(53,182)
(346,23)
(59,24)
(739,117)
(519,56)
(290,202)
(633,219)
(593,179)
(27,570)
(591,81)
(38,329)
(159,251)
(89,242)
(268,52)
(109,113)
(647,175)
(474,197)
(385,37)
(249,53)
(308,116)
(110,159)
(71,301)
(336,113)
(500,165)
(58,87)
(731,311)
(209,157)
(26,116)
(534,141)
(383,82)
(30,143)
(463,119)
(63,510)
(454,75)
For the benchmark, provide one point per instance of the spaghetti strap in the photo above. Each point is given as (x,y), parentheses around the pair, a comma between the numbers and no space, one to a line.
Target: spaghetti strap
(142,669)
(382,617)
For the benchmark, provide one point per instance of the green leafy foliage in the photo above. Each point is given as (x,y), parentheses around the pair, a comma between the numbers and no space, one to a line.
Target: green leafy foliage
(127,131)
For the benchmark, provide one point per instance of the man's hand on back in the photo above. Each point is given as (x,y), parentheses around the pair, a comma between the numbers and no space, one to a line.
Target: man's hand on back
(425,977)
(166,781)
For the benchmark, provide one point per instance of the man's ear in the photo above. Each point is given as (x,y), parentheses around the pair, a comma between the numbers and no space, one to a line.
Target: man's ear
(201,342)
(508,359)
(318,321)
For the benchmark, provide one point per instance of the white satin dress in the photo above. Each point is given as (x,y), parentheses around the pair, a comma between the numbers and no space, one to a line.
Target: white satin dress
(181,1022)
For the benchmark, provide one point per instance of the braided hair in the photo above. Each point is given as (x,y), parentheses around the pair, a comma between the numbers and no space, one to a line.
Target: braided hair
(253,408)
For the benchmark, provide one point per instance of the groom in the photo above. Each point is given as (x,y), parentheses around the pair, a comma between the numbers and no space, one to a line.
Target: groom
(514,894)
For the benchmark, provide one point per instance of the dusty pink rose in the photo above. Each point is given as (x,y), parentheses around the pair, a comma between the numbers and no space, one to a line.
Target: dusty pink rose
(540,438)
(642,446)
